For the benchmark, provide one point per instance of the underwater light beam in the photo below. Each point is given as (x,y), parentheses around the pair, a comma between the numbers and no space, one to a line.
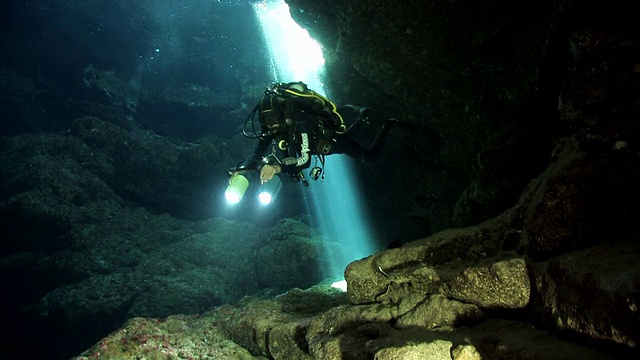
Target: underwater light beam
(295,56)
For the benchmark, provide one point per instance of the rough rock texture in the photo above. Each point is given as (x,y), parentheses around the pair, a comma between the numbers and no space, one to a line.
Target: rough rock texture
(440,263)
(503,285)
(318,324)
(593,292)
(92,258)
(473,77)
(438,311)
(482,83)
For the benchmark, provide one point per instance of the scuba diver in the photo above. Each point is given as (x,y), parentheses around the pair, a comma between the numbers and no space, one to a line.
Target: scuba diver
(301,126)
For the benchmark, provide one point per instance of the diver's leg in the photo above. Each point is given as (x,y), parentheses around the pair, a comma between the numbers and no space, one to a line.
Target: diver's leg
(347,145)
(379,143)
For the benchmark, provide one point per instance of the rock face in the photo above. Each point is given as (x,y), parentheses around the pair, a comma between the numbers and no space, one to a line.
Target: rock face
(490,87)
(319,324)
(582,112)
(592,292)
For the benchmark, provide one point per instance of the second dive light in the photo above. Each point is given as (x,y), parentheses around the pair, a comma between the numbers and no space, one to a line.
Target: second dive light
(269,190)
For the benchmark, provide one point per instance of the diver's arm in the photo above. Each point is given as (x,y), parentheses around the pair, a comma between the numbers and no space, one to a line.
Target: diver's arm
(253,161)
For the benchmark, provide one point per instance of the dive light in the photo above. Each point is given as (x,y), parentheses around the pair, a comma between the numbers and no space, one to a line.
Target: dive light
(236,189)
(269,190)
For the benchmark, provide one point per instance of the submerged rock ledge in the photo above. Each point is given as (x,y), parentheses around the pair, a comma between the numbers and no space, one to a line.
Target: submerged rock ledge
(319,323)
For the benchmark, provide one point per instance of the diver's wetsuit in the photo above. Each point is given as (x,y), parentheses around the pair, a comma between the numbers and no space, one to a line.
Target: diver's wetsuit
(309,135)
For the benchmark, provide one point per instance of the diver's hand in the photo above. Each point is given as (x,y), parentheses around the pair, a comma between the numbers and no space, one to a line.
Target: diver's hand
(235,171)
(233,174)
(268,172)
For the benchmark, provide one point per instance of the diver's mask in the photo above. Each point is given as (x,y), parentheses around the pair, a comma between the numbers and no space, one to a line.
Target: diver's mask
(276,128)
(270,117)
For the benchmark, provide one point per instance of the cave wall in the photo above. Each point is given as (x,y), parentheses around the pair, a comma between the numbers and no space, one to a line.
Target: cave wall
(479,80)
(534,109)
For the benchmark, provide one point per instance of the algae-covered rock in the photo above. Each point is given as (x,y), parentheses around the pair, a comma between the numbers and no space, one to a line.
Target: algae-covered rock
(175,337)
(295,255)
(278,326)
(594,292)
(438,311)
(436,350)
(503,285)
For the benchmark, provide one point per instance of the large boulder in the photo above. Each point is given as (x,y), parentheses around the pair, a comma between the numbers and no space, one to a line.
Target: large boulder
(317,323)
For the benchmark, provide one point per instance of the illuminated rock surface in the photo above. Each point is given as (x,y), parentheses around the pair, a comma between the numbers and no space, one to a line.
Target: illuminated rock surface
(318,324)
